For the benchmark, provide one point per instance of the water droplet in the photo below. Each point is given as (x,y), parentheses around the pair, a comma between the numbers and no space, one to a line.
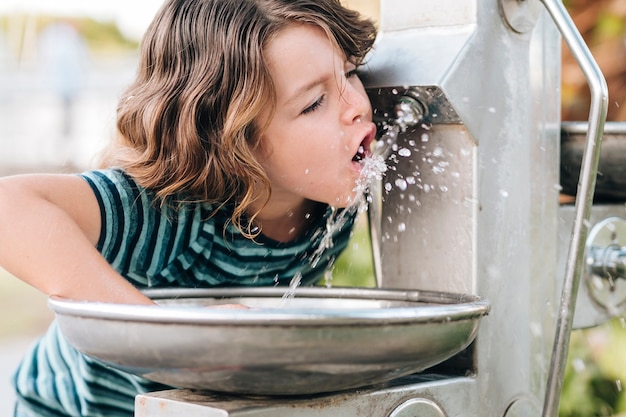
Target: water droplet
(578,364)
(328,278)
(401,184)
(404,152)
(535,329)
(438,170)
(293,285)
(401,227)
(492,109)
(504,193)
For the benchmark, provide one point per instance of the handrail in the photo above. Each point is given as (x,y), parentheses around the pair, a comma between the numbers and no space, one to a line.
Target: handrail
(584,200)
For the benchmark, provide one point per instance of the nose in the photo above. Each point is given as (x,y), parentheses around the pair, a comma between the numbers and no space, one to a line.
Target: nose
(355,102)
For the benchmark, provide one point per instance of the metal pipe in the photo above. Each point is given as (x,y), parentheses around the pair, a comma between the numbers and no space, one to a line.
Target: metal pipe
(584,200)
(608,262)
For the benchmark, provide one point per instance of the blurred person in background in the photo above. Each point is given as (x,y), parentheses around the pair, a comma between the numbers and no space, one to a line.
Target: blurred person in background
(63,54)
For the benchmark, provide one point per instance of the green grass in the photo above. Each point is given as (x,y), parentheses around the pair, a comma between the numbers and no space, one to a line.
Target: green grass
(354,267)
(595,375)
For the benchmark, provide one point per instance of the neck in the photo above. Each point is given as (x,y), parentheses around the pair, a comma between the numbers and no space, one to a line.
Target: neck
(286,222)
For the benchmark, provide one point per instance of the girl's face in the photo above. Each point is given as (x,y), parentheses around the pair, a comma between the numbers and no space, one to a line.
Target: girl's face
(322,125)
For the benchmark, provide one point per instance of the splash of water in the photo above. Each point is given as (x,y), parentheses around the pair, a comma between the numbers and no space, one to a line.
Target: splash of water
(372,169)
(293,286)
(386,143)
(328,278)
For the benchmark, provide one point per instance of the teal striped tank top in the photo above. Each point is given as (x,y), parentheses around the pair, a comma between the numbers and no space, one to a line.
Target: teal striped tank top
(192,246)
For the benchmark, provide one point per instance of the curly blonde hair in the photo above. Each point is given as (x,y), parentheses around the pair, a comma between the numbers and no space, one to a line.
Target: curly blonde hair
(189,123)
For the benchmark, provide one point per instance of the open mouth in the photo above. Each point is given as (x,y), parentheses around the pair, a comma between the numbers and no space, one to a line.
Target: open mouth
(364,150)
(360,154)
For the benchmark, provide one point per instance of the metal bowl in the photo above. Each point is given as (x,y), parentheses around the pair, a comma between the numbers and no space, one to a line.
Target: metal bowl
(321,340)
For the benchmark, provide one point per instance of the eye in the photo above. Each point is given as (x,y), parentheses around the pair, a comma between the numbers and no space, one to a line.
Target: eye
(316,105)
(352,73)
(350,69)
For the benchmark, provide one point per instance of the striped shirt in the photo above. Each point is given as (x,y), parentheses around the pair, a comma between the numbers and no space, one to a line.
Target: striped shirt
(192,246)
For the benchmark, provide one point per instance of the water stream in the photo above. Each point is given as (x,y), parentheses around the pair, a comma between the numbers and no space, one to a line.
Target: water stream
(374,166)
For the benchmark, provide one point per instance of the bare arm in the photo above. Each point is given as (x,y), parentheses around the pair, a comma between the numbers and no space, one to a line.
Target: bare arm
(49,226)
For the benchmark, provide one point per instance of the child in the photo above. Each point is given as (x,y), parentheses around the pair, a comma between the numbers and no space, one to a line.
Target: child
(244,130)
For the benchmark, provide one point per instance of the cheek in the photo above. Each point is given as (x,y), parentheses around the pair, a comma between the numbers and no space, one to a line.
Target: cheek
(262,150)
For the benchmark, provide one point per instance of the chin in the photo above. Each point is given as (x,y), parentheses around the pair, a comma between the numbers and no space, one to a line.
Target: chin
(346,200)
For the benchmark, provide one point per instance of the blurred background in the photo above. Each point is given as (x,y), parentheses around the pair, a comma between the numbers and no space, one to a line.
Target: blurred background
(63,65)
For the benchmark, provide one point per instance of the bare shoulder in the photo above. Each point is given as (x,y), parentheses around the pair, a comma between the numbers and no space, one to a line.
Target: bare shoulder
(52,187)
(68,192)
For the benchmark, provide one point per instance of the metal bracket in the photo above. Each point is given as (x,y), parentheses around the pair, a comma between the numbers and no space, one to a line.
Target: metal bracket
(605,277)
(519,15)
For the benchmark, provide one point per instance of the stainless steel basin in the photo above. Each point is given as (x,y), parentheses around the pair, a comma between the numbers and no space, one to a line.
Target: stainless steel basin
(322,340)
